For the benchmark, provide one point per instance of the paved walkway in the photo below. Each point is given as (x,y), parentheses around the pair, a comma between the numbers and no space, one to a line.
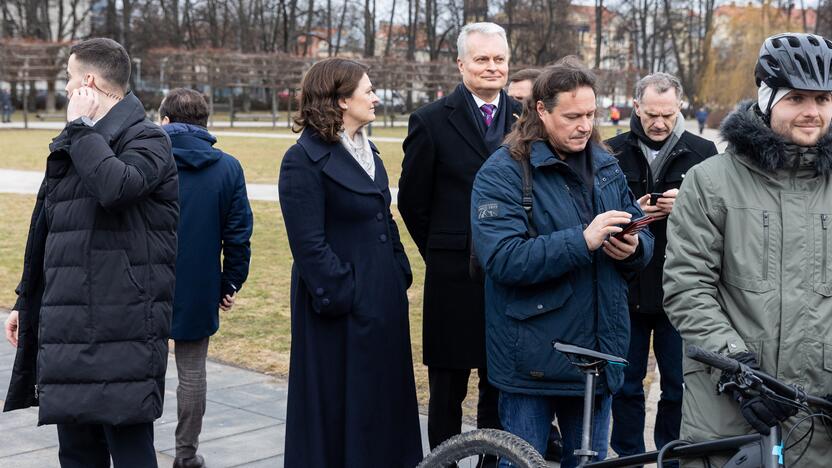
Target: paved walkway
(244,423)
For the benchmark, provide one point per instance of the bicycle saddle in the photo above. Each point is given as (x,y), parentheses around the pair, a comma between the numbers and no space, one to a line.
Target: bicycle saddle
(576,353)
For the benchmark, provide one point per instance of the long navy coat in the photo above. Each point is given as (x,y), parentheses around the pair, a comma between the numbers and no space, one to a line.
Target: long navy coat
(352,397)
(214,219)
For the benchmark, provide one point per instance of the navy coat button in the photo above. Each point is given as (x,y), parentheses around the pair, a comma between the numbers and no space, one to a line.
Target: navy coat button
(383,237)
(319,292)
(540,307)
(379,216)
(325,301)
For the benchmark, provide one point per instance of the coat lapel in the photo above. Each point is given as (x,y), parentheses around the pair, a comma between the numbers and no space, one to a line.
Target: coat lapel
(341,167)
(460,118)
(381,174)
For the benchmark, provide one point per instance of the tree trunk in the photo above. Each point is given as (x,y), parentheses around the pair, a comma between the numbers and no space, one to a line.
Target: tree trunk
(599,31)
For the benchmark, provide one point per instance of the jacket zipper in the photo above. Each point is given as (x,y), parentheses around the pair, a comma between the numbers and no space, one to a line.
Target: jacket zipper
(765,245)
(36,391)
(824,224)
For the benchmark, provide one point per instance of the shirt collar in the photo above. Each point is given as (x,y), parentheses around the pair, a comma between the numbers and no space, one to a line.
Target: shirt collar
(480,102)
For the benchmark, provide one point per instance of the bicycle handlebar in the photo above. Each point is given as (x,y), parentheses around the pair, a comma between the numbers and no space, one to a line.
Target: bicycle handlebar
(723,363)
(726,364)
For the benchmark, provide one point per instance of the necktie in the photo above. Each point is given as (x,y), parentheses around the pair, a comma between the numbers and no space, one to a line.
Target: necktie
(488,113)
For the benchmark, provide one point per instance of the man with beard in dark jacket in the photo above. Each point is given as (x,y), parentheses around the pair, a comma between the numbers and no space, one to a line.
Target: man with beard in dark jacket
(215,223)
(655,155)
(92,319)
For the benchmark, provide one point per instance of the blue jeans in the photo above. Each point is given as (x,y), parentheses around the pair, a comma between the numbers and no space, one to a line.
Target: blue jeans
(628,403)
(530,417)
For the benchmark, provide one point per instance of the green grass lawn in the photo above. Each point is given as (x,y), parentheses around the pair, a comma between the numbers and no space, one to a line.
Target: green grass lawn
(256,333)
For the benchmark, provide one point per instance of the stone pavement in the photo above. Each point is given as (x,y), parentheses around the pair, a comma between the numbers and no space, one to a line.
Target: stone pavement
(244,424)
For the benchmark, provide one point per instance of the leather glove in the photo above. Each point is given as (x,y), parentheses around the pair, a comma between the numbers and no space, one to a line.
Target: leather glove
(746,357)
(761,412)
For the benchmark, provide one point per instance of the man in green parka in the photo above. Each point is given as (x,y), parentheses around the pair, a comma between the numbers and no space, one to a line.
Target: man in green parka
(748,272)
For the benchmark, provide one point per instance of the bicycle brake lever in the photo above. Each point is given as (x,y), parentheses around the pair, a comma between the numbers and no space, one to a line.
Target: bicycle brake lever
(742,381)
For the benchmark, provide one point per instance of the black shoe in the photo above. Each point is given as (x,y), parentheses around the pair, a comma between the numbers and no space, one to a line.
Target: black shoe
(194,462)
(554,446)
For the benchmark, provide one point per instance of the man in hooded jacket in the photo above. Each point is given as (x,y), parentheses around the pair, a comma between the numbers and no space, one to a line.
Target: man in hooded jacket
(92,319)
(748,271)
(215,225)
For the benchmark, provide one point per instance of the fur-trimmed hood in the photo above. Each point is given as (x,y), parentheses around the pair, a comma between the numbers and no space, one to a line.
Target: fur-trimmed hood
(747,134)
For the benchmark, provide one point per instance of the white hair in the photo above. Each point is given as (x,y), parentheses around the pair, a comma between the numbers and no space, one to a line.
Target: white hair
(481,28)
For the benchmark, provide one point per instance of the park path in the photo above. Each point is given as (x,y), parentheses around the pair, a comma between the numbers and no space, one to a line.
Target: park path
(27,182)
(244,424)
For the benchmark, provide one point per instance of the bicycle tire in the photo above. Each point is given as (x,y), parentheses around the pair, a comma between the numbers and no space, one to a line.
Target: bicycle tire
(493,442)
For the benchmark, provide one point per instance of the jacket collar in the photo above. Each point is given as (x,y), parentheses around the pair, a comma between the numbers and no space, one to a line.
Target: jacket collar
(541,156)
(126,113)
(341,166)
(749,136)
(459,117)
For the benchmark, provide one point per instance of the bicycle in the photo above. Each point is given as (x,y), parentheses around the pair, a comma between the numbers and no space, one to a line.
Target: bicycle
(747,451)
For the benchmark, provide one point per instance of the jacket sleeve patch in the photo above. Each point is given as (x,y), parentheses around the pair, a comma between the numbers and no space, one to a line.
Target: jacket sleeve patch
(488,210)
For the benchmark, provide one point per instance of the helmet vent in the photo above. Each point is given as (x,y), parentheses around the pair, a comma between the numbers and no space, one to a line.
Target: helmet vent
(776,43)
(813,41)
(793,41)
(803,65)
(828,44)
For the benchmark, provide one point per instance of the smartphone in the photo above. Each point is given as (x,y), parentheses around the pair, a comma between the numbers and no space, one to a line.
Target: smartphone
(635,226)
(654,198)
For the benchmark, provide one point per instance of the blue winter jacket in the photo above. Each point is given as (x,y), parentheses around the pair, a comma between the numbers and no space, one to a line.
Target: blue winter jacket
(215,225)
(539,290)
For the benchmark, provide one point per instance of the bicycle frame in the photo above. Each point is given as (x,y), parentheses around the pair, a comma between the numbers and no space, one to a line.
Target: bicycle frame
(746,451)
(749,451)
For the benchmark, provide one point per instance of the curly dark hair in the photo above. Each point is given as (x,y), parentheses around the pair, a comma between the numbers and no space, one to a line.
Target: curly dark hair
(565,76)
(323,85)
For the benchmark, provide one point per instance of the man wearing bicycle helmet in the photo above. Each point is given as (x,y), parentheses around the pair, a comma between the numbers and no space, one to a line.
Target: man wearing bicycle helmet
(748,272)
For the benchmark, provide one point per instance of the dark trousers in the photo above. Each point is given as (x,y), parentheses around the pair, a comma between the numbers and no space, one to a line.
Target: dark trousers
(92,445)
(628,403)
(448,388)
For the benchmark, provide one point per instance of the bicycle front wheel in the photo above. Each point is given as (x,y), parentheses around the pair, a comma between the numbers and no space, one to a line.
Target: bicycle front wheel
(471,449)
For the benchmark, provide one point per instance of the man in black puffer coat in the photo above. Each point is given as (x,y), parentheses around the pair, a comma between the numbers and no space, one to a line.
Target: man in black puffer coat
(93,315)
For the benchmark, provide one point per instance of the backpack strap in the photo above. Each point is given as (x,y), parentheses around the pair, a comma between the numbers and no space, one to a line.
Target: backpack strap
(527,194)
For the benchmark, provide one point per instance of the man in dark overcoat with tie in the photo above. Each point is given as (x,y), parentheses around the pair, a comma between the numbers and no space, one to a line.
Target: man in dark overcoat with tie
(447,142)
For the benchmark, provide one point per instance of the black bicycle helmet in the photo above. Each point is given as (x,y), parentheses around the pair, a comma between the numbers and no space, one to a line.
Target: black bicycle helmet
(797,61)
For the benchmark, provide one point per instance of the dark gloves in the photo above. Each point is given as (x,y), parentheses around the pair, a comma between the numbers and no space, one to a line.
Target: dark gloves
(746,357)
(760,411)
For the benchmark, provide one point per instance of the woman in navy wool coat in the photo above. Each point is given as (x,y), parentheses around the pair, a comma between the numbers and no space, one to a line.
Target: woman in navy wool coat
(352,397)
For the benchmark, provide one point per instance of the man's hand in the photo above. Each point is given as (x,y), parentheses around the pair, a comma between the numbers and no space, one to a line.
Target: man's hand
(12,327)
(83,101)
(666,201)
(228,301)
(648,209)
(761,412)
(602,226)
(621,249)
